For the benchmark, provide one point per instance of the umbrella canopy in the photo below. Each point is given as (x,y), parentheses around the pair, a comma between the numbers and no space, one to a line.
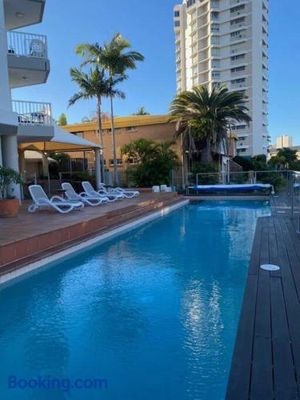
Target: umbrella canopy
(61,142)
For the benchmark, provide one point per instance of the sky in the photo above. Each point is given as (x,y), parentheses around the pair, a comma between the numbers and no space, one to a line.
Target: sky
(148,25)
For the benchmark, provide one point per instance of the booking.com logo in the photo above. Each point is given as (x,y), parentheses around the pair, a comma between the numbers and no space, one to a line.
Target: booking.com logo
(51,383)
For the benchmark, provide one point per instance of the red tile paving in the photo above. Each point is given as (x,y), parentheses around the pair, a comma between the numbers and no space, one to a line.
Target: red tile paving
(28,236)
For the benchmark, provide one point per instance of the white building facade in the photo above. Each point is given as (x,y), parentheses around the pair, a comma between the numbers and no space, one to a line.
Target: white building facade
(225,42)
(23,62)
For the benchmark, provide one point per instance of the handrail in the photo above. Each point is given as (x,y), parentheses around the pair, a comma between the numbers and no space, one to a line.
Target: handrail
(33,112)
(27,44)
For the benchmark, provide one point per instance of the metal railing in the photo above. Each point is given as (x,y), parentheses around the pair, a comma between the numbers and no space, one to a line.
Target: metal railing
(296,198)
(33,113)
(27,44)
(250,177)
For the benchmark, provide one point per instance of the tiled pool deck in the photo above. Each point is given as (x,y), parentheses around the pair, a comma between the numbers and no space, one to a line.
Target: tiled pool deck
(266,361)
(30,237)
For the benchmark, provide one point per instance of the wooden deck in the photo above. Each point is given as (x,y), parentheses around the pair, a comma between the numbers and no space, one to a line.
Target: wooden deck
(266,360)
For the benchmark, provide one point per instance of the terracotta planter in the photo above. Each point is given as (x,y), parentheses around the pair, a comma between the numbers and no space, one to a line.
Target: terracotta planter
(9,208)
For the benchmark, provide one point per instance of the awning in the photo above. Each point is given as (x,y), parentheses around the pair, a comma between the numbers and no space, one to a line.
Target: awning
(61,142)
(33,155)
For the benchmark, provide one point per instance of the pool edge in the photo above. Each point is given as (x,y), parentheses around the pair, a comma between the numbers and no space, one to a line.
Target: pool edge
(89,243)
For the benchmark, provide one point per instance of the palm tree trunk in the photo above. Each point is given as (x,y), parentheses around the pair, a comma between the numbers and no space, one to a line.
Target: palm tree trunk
(113,134)
(207,157)
(100,133)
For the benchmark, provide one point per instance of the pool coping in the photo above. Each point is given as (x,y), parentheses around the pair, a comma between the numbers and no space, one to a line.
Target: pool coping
(228,198)
(85,244)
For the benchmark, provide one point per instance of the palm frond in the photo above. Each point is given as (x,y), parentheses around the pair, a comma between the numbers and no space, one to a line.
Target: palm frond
(206,114)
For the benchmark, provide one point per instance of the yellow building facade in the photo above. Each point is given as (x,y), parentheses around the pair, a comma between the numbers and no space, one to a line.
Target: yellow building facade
(157,128)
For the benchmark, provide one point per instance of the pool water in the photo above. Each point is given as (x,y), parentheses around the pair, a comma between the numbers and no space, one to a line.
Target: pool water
(154,312)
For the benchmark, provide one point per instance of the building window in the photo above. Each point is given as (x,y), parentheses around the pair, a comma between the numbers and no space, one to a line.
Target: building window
(177,23)
(216,64)
(79,134)
(237,58)
(237,81)
(215,52)
(238,69)
(215,28)
(238,127)
(119,162)
(237,9)
(190,3)
(214,15)
(132,160)
(238,35)
(238,21)
(177,14)
(215,75)
(131,129)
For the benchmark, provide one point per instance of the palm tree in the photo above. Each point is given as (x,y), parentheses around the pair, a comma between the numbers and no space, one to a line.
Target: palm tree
(116,58)
(203,118)
(95,85)
(141,111)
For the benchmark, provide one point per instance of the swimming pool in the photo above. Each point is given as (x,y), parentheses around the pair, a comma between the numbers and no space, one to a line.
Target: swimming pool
(153,313)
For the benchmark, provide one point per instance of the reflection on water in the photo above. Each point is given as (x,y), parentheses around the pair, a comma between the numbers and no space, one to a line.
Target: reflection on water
(154,312)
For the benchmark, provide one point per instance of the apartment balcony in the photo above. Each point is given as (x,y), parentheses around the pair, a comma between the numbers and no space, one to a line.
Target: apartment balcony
(238,36)
(20,13)
(202,45)
(239,13)
(239,72)
(242,146)
(215,5)
(215,40)
(35,121)
(238,62)
(202,21)
(28,61)
(238,85)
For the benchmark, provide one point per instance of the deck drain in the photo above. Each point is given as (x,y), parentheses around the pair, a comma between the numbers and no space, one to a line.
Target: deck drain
(270,267)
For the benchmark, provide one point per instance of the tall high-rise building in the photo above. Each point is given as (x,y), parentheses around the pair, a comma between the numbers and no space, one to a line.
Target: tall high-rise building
(284,141)
(225,42)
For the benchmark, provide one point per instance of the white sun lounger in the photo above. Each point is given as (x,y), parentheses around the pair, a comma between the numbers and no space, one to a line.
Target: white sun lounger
(126,193)
(90,191)
(83,197)
(165,189)
(41,200)
(156,189)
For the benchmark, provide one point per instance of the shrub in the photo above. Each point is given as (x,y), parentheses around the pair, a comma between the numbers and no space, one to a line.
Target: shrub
(206,169)
(8,177)
(155,162)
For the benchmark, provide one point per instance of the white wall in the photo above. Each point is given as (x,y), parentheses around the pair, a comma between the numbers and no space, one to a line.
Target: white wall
(5,97)
(7,117)
(8,143)
(11,158)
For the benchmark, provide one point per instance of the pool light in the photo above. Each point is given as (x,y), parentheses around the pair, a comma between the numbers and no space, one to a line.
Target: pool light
(270,267)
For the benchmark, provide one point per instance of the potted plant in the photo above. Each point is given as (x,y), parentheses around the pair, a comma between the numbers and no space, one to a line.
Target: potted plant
(9,205)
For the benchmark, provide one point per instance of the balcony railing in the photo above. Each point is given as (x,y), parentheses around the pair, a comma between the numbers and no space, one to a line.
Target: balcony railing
(33,113)
(27,44)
